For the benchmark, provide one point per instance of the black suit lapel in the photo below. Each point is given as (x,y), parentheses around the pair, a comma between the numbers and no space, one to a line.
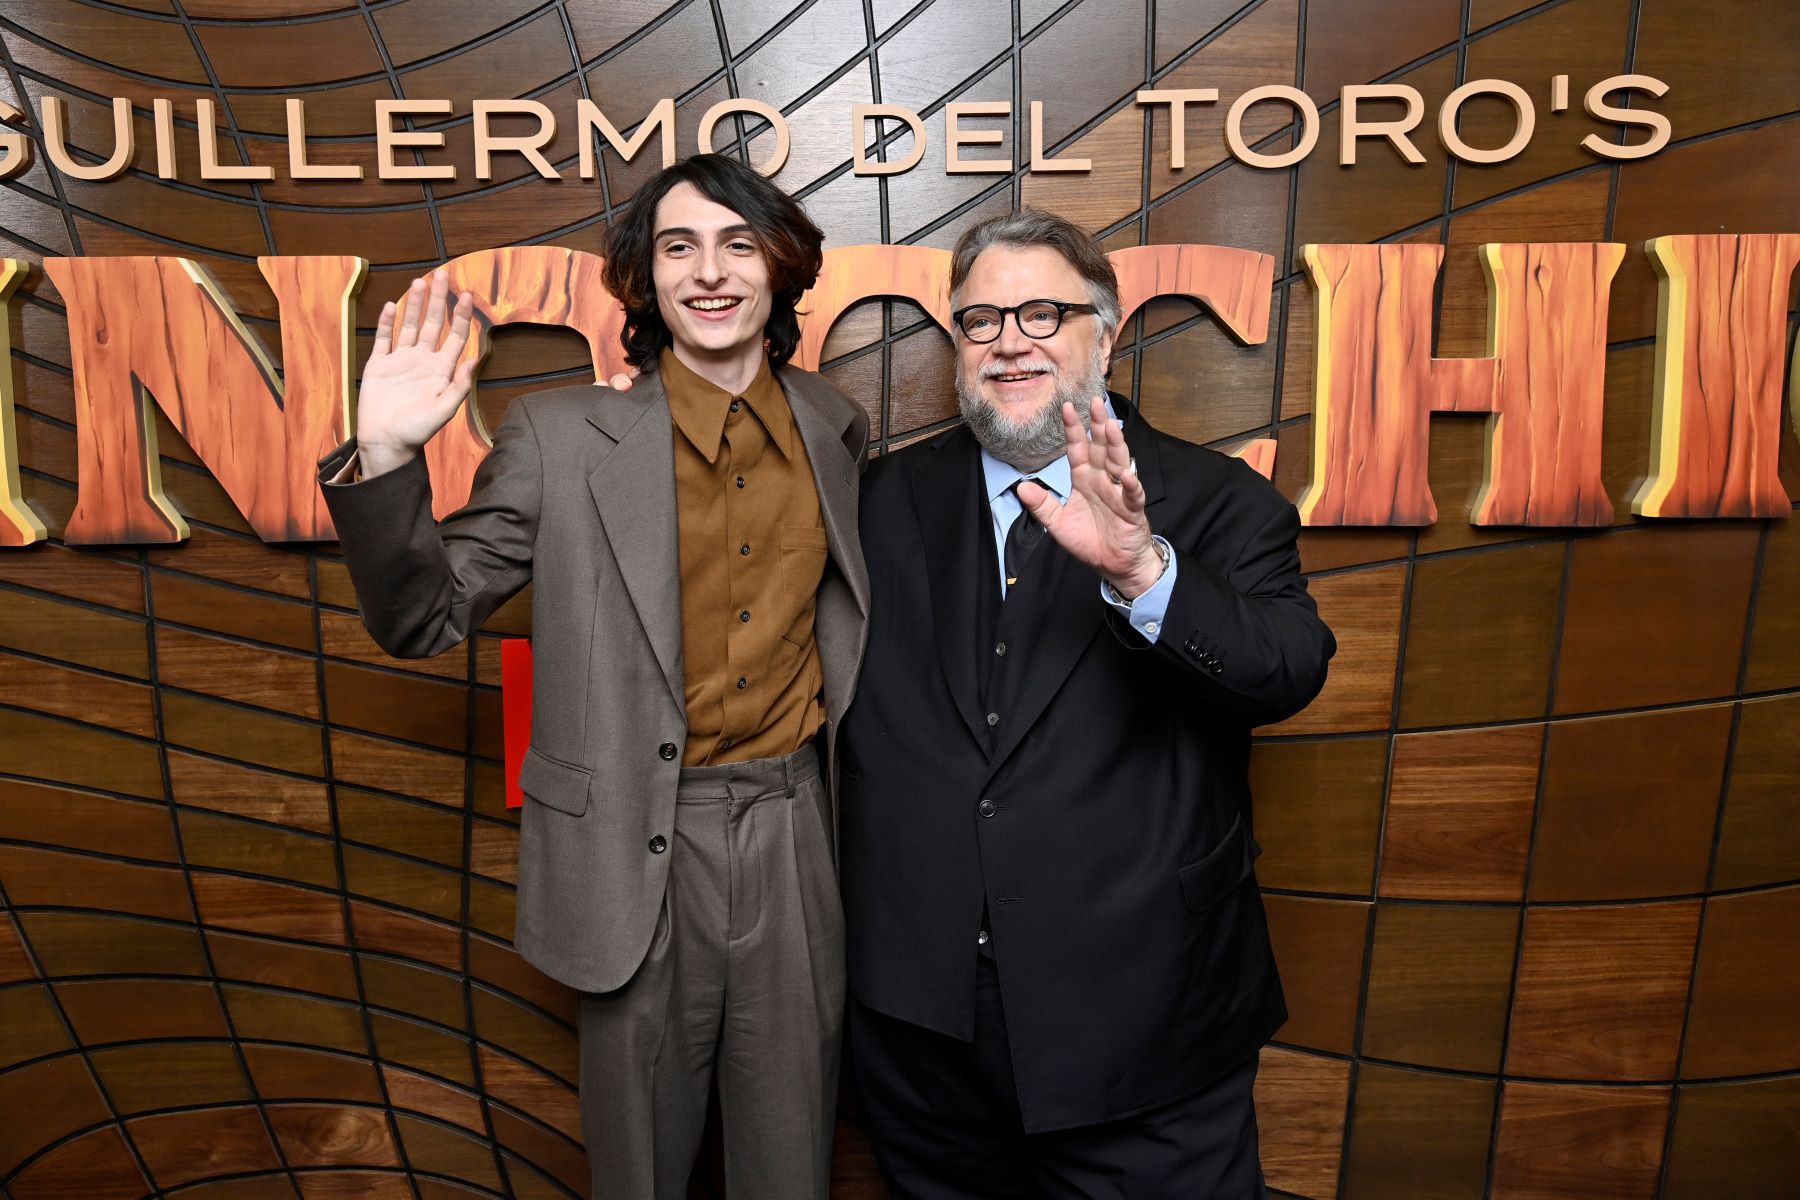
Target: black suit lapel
(1070,611)
(952,520)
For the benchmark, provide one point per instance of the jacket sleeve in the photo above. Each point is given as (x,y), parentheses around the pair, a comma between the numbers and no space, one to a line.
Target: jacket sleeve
(425,586)
(1248,640)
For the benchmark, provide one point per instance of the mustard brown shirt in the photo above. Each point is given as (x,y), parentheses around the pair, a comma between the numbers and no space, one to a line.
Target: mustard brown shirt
(752,553)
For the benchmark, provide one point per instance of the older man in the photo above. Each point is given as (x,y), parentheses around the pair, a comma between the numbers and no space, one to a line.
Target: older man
(1059,962)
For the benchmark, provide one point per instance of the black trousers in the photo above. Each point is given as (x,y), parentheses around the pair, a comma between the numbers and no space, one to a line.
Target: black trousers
(943,1115)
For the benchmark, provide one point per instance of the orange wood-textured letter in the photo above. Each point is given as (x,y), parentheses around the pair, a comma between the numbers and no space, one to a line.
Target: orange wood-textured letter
(160,329)
(1721,339)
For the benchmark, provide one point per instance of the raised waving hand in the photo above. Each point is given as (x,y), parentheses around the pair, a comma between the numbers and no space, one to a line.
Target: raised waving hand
(1103,523)
(414,380)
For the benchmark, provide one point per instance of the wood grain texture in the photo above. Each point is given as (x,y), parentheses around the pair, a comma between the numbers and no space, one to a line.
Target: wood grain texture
(1459,814)
(852,274)
(1654,616)
(1759,842)
(1375,384)
(1629,805)
(1775,634)
(1720,367)
(1547,329)
(1749,964)
(1480,636)
(162,330)
(116,1010)
(1418,1135)
(1601,991)
(293,1073)
(19,526)
(1579,1143)
(1733,1139)
(1318,812)
(1300,1102)
(94,1164)
(1439,978)
(1319,949)
(1363,610)
(185,1147)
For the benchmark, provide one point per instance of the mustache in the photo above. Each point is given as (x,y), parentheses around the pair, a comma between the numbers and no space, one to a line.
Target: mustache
(992,369)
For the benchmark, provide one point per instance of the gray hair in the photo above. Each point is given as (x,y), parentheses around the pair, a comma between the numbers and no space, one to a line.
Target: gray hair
(1031,227)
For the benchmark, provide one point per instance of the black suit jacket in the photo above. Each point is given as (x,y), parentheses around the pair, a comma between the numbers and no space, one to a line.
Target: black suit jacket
(1103,819)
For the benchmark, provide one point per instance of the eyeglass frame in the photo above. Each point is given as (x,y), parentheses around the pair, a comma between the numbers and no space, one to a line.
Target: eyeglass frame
(1063,309)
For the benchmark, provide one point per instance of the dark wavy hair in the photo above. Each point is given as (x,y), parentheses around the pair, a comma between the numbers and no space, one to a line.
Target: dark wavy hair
(789,241)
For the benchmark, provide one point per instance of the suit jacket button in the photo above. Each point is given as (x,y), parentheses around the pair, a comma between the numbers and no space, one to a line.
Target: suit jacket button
(986,808)
(658,844)
(667,750)
(993,719)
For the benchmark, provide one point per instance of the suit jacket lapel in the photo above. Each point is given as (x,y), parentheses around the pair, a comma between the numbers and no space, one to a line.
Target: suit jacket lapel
(952,518)
(1071,611)
(633,483)
(834,474)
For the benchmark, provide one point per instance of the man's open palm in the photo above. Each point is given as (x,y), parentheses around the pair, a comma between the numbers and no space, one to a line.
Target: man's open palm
(1102,523)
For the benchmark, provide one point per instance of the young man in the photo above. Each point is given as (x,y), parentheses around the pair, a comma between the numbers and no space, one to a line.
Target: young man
(699,607)
(1060,966)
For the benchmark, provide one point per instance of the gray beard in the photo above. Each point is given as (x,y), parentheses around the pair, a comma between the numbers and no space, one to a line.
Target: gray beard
(1032,444)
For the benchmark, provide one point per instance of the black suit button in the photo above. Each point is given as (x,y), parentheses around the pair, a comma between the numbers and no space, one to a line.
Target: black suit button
(742,683)
(658,844)
(987,808)
(744,549)
(1218,668)
(667,750)
(736,404)
(744,616)
(740,481)
(993,719)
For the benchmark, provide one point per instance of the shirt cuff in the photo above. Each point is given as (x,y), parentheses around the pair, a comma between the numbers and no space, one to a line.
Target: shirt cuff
(1147,611)
(350,472)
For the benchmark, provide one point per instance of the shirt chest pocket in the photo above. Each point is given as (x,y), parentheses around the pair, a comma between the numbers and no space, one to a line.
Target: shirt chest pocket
(803,551)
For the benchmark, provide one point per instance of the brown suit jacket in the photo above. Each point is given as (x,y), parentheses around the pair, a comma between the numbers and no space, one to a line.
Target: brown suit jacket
(577,498)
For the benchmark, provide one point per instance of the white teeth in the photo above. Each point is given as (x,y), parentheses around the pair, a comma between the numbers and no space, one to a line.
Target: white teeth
(711,305)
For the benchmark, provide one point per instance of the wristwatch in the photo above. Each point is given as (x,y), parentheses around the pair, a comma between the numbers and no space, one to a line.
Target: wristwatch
(1162,551)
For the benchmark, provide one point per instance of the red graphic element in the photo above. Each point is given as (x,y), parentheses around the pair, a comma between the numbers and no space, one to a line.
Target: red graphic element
(515,711)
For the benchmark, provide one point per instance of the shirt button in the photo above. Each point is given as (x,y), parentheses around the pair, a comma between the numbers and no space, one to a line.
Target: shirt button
(745,549)
(736,404)
(742,683)
(1000,649)
(1151,626)
(993,720)
(744,616)
(740,481)
(658,844)
(667,750)
(981,939)
(987,808)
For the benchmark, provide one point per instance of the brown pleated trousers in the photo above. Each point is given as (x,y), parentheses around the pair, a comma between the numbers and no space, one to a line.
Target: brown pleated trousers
(745,978)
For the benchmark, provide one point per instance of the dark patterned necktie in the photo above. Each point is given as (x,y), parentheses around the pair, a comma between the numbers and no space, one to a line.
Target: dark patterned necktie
(1021,539)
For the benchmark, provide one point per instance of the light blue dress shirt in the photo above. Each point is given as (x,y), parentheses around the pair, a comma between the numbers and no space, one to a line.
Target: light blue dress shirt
(1145,613)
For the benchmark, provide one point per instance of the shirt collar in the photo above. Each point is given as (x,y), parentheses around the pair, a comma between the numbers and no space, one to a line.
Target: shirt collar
(998,476)
(699,406)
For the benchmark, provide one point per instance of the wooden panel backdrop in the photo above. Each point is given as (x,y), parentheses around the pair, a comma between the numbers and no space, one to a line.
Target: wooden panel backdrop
(1532,859)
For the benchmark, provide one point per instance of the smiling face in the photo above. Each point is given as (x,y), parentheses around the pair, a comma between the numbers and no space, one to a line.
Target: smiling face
(1012,388)
(712,280)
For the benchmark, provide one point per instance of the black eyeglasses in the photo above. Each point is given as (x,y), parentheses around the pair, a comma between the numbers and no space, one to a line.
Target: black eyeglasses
(1035,318)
